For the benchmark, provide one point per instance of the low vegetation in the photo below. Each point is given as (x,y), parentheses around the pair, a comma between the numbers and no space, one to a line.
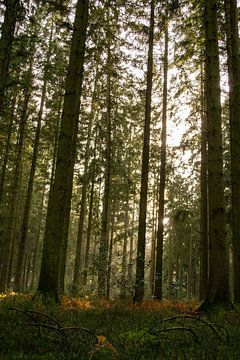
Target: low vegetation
(83,329)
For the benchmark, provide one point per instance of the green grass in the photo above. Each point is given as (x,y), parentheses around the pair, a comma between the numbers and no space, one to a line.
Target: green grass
(123,333)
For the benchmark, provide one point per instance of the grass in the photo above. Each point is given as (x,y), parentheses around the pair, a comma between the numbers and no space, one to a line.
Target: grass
(116,331)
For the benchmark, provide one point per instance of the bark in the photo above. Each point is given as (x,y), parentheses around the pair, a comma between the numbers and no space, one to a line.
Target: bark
(59,206)
(10,244)
(27,208)
(218,286)
(131,251)
(66,218)
(38,243)
(103,246)
(110,255)
(89,232)
(6,41)
(78,258)
(124,256)
(204,201)
(154,233)
(139,286)
(231,15)
(7,148)
(160,230)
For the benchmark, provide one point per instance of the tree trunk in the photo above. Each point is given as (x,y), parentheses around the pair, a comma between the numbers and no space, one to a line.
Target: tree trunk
(103,246)
(231,14)
(27,208)
(131,251)
(77,264)
(9,236)
(204,201)
(38,243)
(7,148)
(59,209)
(89,232)
(139,286)
(218,286)
(124,255)
(6,41)
(154,232)
(159,255)
(110,255)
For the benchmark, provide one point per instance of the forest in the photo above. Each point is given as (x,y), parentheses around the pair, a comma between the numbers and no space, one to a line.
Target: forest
(120,173)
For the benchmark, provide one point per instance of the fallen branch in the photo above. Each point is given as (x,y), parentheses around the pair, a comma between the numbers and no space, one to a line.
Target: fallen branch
(58,328)
(177,317)
(176,328)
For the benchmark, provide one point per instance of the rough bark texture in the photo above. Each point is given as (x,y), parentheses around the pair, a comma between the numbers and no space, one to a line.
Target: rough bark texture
(89,231)
(204,201)
(6,41)
(10,244)
(159,255)
(59,206)
(124,255)
(27,208)
(139,286)
(7,146)
(231,14)
(77,264)
(103,245)
(218,286)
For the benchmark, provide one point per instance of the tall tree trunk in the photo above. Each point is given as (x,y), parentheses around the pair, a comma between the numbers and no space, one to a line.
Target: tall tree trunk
(154,235)
(60,205)
(38,243)
(77,264)
(55,146)
(131,251)
(139,286)
(124,255)
(159,255)
(66,219)
(218,286)
(89,231)
(9,237)
(6,41)
(7,148)
(231,14)
(103,246)
(204,200)
(27,208)
(110,255)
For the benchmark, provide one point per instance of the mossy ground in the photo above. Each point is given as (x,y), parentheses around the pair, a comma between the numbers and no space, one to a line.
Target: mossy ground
(120,331)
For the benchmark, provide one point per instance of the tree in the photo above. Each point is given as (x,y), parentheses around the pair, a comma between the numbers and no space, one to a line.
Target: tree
(218,292)
(140,264)
(231,26)
(59,207)
(159,255)
(10,239)
(203,283)
(26,214)
(6,42)
(77,263)
(103,245)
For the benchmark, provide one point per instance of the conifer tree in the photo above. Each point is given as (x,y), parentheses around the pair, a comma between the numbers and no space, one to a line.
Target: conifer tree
(59,206)
(218,292)
(231,16)
(140,264)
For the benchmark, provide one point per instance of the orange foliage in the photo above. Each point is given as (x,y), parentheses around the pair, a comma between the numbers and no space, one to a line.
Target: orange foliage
(146,305)
(103,344)
(76,303)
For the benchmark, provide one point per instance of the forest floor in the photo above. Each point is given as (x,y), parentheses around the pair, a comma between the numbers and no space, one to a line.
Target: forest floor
(81,329)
